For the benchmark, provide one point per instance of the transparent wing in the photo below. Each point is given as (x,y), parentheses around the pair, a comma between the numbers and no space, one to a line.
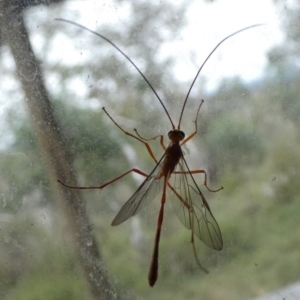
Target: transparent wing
(191,207)
(146,192)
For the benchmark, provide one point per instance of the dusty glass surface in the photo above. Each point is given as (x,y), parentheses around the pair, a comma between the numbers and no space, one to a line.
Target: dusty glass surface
(55,244)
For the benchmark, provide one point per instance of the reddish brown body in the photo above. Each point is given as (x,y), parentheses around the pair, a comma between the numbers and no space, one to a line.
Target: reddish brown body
(172,156)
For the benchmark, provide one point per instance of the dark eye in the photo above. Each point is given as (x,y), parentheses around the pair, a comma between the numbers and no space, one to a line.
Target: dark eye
(182,133)
(170,132)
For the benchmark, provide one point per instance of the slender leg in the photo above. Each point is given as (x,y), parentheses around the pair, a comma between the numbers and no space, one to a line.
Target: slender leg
(184,202)
(196,129)
(130,134)
(179,197)
(153,271)
(100,187)
(192,220)
(161,138)
(198,172)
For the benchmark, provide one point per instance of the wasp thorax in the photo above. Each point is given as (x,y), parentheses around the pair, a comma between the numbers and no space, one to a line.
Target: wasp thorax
(176,135)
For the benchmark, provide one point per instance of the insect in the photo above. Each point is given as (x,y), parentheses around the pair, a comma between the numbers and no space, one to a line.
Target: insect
(171,176)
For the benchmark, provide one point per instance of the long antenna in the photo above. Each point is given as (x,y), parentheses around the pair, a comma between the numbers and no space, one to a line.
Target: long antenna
(207,58)
(126,56)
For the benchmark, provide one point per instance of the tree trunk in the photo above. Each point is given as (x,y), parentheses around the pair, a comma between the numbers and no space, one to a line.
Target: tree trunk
(54,153)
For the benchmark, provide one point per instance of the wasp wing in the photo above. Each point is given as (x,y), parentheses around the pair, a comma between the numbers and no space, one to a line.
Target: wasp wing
(146,192)
(192,208)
